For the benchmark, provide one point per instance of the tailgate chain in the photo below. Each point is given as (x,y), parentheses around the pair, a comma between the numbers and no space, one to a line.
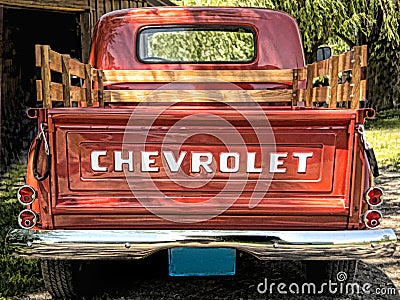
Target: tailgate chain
(41,136)
(369,151)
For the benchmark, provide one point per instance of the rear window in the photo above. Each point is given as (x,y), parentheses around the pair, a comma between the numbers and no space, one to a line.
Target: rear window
(175,44)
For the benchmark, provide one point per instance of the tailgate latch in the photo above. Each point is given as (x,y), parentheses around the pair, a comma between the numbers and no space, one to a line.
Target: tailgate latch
(41,137)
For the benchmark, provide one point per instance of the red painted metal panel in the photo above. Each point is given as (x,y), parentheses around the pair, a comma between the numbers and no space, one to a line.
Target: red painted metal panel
(114,39)
(323,190)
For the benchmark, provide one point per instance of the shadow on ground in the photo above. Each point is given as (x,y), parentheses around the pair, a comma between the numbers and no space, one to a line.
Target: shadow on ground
(148,279)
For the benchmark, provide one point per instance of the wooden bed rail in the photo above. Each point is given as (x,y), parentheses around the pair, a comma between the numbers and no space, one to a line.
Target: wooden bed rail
(326,82)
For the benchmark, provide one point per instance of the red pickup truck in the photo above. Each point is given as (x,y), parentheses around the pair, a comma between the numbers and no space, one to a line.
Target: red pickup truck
(199,132)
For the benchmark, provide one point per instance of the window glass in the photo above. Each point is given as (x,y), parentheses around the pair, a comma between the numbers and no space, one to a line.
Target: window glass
(227,44)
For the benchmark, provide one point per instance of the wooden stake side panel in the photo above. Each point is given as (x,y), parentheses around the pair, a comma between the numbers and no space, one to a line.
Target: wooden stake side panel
(74,84)
(197,95)
(338,81)
(91,91)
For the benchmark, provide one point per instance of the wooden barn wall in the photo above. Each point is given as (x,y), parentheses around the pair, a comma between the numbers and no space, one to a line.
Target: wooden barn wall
(100,7)
(14,124)
(15,96)
(76,5)
(20,30)
(90,11)
(97,8)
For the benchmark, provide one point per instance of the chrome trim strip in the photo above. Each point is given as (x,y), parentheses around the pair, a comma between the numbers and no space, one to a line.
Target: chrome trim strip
(112,244)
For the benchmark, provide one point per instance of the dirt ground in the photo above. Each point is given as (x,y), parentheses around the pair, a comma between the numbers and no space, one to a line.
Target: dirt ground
(382,274)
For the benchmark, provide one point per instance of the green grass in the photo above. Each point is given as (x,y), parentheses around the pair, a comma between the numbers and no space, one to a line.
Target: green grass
(17,276)
(383,133)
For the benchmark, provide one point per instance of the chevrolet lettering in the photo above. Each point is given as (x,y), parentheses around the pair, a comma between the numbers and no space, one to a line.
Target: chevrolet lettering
(227,162)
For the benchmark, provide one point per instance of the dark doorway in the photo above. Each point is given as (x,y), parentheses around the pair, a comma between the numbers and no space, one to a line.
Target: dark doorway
(21,30)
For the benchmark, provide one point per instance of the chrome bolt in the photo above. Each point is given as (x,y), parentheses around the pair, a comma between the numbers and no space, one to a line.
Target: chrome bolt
(29,244)
(276,245)
(127,245)
(373,245)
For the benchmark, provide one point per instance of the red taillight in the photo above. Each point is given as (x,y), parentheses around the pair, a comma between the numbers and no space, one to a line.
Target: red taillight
(372,218)
(26,195)
(374,196)
(27,219)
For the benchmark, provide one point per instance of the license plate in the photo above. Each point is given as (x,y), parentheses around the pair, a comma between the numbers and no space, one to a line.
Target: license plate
(201,261)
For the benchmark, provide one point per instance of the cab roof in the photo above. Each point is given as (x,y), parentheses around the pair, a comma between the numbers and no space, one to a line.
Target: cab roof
(277,36)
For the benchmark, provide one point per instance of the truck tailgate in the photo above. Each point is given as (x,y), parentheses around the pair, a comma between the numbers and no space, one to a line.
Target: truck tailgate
(99,182)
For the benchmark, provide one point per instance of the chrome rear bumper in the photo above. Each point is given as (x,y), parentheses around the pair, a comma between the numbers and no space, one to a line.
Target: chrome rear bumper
(136,244)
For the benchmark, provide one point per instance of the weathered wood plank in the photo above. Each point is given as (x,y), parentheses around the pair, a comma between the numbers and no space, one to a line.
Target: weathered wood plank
(114,76)
(309,88)
(334,81)
(344,92)
(77,93)
(356,78)
(55,61)
(46,76)
(363,88)
(100,8)
(60,5)
(364,55)
(109,6)
(100,88)
(86,33)
(66,80)
(77,68)
(345,61)
(39,92)
(321,94)
(322,68)
(197,95)
(295,87)
(88,84)
(38,55)
(124,4)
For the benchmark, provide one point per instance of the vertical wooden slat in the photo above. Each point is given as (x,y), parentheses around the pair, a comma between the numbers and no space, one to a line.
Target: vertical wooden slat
(85,34)
(38,55)
(100,88)
(364,55)
(46,75)
(295,87)
(334,81)
(66,80)
(108,6)
(309,90)
(356,78)
(100,8)
(88,84)
(96,9)
(125,4)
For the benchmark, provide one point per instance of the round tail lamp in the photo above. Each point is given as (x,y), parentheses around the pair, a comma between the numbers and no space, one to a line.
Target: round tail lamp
(26,195)
(374,196)
(372,218)
(27,219)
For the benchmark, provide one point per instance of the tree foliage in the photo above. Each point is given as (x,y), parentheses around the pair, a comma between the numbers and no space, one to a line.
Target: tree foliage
(202,45)
(344,24)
